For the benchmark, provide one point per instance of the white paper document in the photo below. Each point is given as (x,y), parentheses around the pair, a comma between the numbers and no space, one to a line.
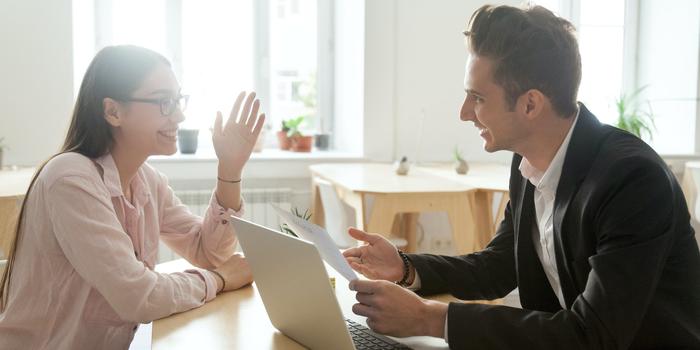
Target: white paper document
(321,239)
(143,337)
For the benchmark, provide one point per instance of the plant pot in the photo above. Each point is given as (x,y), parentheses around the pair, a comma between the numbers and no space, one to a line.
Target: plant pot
(302,143)
(322,141)
(284,141)
(461,167)
(187,140)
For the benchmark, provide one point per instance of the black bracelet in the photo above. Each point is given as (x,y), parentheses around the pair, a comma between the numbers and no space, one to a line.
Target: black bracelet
(406,268)
(229,181)
(223,281)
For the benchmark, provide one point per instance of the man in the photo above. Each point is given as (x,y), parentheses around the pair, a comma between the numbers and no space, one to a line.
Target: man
(596,236)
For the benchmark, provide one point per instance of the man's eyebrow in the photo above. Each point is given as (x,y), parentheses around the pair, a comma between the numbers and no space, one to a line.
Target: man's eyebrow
(473,92)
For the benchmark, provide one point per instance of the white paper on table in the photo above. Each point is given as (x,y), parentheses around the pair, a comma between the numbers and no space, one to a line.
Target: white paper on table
(143,337)
(321,239)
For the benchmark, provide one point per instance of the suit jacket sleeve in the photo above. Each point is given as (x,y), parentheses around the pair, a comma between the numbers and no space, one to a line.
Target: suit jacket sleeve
(634,229)
(488,274)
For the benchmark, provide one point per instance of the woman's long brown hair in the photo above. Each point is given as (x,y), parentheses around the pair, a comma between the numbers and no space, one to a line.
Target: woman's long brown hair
(115,72)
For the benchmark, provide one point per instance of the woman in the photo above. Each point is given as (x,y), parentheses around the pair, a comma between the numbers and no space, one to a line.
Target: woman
(80,273)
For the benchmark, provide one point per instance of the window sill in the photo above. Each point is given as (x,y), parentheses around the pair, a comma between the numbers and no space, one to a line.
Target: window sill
(270,163)
(208,155)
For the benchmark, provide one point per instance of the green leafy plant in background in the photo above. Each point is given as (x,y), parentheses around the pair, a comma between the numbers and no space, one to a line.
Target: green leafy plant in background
(306,215)
(293,126)
(632,118)
(2,144)
(458,154)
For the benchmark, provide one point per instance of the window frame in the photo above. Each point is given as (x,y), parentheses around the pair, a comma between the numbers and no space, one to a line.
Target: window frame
(261,66)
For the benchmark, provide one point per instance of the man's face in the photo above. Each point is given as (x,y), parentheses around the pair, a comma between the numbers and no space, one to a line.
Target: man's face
(485,105)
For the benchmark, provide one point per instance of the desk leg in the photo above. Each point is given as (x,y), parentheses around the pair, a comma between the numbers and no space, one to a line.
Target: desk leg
(410,222)
(384,212)
(462,223)
(382,217)
(318,216)
(483,218)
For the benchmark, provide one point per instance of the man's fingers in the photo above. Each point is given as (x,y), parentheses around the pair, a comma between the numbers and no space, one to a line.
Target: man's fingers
(362,235)
(352,259)
(364,286)
(363,310)
(366,299)
(352,252)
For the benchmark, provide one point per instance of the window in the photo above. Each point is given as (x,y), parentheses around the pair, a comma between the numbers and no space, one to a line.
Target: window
(218,48)
(649,45)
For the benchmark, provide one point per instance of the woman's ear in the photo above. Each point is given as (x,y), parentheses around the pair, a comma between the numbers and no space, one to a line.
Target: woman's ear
(112,112)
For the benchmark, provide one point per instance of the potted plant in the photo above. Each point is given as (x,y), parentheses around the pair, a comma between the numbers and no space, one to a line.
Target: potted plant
(300,142)
(306,215)
(2,148)
(282,138)
(631,118)
(461,166)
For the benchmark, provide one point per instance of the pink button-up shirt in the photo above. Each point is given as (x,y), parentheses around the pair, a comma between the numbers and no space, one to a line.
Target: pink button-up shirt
(83,276)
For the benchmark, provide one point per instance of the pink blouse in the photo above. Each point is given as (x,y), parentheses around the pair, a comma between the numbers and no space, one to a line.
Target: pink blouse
(83,275)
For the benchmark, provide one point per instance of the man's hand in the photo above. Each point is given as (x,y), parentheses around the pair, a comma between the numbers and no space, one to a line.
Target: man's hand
(376,259)
(396,311)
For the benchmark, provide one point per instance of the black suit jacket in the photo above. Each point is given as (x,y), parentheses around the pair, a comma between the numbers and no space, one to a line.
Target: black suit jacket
(626,254)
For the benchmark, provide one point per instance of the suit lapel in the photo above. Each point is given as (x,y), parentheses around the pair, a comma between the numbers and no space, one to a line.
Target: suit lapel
(582,150)
(535,291)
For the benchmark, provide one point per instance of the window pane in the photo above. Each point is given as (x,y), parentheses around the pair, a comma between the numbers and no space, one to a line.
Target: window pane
(293,61)
(139,23)
(217,58)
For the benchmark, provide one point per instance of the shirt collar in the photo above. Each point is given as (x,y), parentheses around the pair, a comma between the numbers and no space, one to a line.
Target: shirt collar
(110,176)
(548,180)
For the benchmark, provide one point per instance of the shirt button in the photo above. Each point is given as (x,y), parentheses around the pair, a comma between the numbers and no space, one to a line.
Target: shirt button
(224,222)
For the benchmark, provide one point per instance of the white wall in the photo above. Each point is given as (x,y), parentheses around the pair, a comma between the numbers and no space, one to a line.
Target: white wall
(414,73)
(36,89)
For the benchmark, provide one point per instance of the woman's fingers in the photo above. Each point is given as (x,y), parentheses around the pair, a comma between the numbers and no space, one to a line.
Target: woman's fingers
(253,116)
(218,123)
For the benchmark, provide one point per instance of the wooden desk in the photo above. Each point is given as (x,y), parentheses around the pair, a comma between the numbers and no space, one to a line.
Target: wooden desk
(238,320)
(13,186)
(465,198)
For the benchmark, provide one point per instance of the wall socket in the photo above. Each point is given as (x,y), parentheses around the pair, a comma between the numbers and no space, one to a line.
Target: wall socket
(440,244)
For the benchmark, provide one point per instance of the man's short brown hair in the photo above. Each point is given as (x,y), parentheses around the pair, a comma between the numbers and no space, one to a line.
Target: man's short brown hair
(531,49)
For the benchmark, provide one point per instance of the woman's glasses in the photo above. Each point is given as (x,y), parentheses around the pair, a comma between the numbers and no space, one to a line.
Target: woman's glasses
(167,104)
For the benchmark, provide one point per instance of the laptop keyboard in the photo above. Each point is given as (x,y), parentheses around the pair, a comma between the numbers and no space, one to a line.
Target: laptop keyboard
(365,339)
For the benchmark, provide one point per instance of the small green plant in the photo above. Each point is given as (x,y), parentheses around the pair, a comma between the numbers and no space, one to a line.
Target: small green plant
(306,215)
(458,154)
(2,144)
(633,119)
(293,126)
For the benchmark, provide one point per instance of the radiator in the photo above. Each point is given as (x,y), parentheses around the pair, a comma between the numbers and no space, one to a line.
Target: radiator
(257,209)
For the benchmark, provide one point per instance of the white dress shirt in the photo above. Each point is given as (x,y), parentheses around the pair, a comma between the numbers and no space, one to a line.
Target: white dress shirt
(545,191)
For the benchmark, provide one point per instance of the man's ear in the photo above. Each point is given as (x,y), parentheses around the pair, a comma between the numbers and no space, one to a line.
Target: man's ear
(532,103)
(112,111)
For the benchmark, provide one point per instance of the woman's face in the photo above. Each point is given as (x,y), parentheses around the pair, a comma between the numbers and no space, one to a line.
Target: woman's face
(142,129)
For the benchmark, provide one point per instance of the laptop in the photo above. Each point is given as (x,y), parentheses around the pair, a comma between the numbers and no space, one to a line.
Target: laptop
(293,284)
